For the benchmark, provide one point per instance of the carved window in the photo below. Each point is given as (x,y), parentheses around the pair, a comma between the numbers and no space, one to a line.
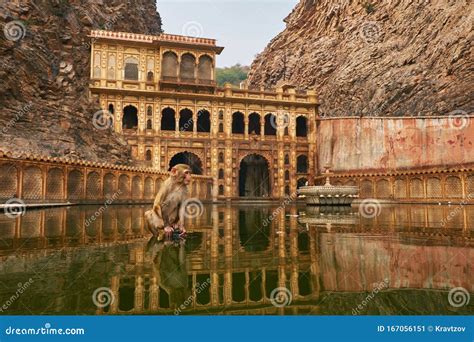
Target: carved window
(131,69)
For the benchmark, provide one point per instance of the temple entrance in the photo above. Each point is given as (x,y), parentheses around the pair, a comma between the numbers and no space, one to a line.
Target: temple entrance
(254,177)
(187,158)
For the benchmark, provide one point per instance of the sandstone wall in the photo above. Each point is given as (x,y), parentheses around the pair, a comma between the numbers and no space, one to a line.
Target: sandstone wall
(396,143)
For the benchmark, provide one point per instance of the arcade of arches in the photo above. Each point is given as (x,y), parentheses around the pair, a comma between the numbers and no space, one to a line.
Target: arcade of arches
(168,108)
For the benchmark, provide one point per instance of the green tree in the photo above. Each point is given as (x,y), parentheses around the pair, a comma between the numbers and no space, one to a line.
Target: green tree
(233,75)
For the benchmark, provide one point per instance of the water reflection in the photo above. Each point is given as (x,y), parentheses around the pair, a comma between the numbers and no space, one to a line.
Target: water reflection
(235,257)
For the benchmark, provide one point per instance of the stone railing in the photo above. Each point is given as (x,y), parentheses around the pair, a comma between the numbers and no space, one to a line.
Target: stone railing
(37,179)
(454,184)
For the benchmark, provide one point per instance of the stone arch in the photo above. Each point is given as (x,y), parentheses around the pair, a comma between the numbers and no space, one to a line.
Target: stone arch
(169,65)
(130,117)
(149,188)
(186,123)
(187,67)
(254,176)
(124,187)
(188,158)
(131,68)
(109,186)
(137,187)
(301,126)
(32,183)
(400,188)
(203,121)
(75,185)
(93,186)
(8,181)
(434,188)
(168,120)
(416,188)
(453,187)
(150,76)
(383,189)
(148,155)
(470,185)
(366,188)
(54,184)
(238,125)
(254,123)
(302,164)
(205,71)
(270,124)
(149,124)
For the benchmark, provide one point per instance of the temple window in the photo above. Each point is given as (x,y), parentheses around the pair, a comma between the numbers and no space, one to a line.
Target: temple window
(131,69)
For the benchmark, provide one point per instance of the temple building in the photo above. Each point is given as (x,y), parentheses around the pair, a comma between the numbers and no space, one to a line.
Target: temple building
(163,95)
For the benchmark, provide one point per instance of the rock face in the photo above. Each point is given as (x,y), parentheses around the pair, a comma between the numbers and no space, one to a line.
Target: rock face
(378,58)
(44,68)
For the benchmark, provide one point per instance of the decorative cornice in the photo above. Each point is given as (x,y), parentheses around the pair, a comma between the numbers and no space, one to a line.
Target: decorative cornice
(144,38)
(397,173)
(63,161)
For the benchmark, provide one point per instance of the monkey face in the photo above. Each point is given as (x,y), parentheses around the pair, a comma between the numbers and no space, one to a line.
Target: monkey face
(181,173)
(187,177)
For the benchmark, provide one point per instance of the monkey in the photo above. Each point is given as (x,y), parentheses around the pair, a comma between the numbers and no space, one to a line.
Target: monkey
(167,213)
(169,262)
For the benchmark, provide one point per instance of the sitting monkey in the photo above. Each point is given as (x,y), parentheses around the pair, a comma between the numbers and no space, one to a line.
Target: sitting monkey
(167,213)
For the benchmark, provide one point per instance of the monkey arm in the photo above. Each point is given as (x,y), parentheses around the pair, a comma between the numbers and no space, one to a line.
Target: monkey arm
(160,198)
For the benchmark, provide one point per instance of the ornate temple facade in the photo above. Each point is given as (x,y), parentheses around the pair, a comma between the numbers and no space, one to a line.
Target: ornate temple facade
(165,102)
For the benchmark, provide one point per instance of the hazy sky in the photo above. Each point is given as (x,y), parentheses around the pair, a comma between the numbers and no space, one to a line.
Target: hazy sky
(243,27)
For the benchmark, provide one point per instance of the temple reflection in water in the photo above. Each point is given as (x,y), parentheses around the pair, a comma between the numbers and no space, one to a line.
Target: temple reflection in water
(231,262)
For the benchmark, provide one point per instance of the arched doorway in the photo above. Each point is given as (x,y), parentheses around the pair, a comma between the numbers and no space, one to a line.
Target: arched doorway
(254,177)
(187,158)
(130,117)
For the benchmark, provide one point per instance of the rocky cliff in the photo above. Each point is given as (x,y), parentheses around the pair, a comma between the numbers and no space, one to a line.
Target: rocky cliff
(376,58)
(44,68)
